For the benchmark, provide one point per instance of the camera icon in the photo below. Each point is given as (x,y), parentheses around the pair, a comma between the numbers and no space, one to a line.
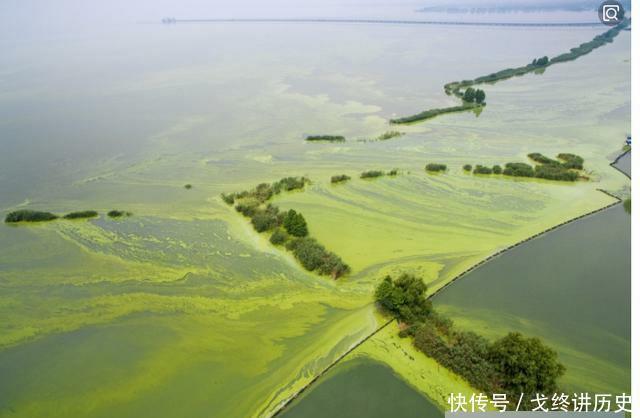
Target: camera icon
(610,12)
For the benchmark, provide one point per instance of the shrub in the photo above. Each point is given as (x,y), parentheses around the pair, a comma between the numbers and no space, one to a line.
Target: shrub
(340,178)
(497,169)
(279,237)
(552,172)
(295,224)
(371,174)
(117,213)
(539,158)
(480,169)
(518,170)
(229,199)
(81,215)
(571,161)
(313,256)
(188,186)
(247,208)
(25,215)
(433,167)
(264,221)
(388,135)
(405,298)
(327,138)
(289,183)
(393,172)
(467,167)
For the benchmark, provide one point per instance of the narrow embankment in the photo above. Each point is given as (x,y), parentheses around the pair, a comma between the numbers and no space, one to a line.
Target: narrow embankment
(287,402)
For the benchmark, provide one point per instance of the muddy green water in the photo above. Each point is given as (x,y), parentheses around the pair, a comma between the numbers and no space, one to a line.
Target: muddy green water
(365,389)
(182,309)
(571,287)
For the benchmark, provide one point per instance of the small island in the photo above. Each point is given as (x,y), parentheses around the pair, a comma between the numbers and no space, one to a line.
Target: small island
(325,138)
(85,214)
(435,168)
(288,229)
(341,178)
(25,215)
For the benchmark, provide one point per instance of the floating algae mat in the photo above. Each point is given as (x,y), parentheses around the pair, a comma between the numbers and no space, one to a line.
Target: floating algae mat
(182,309)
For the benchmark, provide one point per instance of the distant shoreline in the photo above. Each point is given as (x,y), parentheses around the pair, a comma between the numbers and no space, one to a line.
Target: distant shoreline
(384,21)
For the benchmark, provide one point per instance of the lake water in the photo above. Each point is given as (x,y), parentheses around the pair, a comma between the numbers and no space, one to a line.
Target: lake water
(570,287)
(182,309)
(362,388)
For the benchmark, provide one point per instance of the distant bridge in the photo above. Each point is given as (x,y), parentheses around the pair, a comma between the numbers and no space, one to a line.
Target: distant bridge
(384,22)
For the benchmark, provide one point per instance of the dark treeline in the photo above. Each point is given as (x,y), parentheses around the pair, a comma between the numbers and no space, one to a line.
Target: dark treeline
(513,364)
(26,215)
(435,167)
(287,228)
(372,174)
(341,178)
(566,168)
(85,214)
(472,99)
(326,138)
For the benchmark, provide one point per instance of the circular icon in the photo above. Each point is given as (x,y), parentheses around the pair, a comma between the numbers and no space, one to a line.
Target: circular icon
(611,12)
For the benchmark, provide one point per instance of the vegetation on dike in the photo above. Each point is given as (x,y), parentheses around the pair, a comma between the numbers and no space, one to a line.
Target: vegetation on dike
(434,167)
(432,113)
(475,98)
(25,215)
(341,178)
(480,169)
(513,364)
(287,228)
(85,214)
(326,138)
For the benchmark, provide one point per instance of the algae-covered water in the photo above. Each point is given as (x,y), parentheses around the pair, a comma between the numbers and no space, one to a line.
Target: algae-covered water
(181,309)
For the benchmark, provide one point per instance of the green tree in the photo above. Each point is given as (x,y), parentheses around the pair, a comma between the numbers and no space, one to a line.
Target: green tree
(480,96)
(469,95)
(526,365)
(404,298)
(295,224)
(467,167)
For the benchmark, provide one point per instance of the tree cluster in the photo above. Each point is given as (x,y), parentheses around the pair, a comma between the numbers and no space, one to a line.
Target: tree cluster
(435,167)
(314,257)
(513,364)
(340,178)
(472,95)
